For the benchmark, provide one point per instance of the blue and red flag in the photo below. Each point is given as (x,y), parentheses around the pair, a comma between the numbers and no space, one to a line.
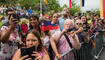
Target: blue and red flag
(55,26)
(46,25)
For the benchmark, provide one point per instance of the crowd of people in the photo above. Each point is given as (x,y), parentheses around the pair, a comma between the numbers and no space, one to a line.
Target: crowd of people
(64,33)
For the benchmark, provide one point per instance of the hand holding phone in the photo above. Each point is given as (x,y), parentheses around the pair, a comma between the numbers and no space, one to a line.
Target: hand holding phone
(13,24)
(15,21)
(37,56)
(28,51)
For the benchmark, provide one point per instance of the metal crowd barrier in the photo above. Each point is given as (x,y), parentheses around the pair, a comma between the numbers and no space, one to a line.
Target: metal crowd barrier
(88,51)
(99,45)
(66,53)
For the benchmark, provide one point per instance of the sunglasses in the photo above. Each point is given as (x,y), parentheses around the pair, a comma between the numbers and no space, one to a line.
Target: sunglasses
(79,23)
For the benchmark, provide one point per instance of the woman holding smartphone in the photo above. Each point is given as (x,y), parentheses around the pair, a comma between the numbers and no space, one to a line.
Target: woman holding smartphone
(33,39)
(9,38)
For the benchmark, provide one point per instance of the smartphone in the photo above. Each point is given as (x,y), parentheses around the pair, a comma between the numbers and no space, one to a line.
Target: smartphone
(68,30)
(28,51)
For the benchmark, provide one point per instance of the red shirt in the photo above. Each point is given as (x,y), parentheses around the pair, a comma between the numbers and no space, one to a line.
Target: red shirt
(24,28)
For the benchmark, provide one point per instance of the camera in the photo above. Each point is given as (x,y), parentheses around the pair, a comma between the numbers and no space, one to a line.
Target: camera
(86,29)
(28,51)
(68,30)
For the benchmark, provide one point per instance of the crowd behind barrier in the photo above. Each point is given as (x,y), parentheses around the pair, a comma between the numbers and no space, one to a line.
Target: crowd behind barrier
(85,52)
(86,34)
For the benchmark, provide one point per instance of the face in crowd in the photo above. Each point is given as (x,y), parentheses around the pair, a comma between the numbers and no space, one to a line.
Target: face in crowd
(30,7)
(78,24)
(33,39)
(34,20)
(76,18)
(9,12)
(23,21)
(14,19)
(65,9)
(88,17)
(68,24)
(83,18)
(55,17)
(24,8)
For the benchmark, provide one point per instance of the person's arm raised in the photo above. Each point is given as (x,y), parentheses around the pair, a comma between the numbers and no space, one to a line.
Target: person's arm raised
(54,41)
(60,35)
(5,35)
(76,42)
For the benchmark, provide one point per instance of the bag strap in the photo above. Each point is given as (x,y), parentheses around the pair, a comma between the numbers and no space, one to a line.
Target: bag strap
(68,40)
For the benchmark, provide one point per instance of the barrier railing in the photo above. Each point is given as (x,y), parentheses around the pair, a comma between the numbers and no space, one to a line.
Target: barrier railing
(66,53)
(88,51)
(99,45)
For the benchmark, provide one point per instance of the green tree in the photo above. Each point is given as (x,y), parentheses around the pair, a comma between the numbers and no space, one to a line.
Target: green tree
(35,4)
(96,12)
(51,5)
(28,3)
(74,8)
(6,2)
(54,5)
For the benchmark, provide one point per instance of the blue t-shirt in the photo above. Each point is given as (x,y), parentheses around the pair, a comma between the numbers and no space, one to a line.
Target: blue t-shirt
(61,22)
(30,11)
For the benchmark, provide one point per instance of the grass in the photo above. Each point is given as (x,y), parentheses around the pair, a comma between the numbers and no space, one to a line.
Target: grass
(1,21)
(27,21)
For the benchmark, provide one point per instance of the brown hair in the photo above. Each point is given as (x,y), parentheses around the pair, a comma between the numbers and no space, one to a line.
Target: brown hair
(37,34)
(35,17)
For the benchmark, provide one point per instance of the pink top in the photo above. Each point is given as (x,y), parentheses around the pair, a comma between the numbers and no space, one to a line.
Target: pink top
(8,49)
(41,54)
(63,46)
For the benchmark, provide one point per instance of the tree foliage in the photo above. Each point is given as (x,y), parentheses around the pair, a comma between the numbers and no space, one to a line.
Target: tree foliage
(96,11)
(7,2)
(51,5)
(28,3)
(74,8)
(54,5)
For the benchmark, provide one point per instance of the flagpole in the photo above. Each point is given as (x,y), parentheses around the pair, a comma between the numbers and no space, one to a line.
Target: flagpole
(40,8)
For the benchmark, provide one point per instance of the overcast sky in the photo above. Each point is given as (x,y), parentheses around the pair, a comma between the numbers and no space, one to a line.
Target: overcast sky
(89,4)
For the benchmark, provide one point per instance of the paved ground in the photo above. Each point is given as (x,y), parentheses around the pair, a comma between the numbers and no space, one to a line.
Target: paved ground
(102,56)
